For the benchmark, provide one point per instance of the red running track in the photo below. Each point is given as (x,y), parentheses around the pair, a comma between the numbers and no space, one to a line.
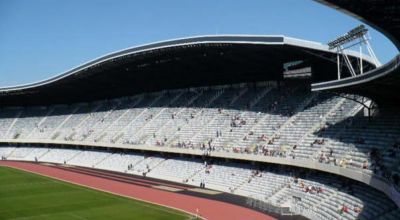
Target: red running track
(208,209)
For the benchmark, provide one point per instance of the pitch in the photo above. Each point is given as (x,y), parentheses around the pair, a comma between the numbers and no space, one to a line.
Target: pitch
(29,196)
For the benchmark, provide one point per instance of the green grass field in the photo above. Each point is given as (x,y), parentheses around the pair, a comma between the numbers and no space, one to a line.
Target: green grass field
(29,196)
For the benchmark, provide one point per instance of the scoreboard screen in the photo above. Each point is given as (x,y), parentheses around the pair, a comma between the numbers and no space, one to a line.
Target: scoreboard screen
(298,73)
(296,70)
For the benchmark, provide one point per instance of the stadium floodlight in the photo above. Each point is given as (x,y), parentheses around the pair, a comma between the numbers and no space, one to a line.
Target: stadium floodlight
(357,34)
(350,36)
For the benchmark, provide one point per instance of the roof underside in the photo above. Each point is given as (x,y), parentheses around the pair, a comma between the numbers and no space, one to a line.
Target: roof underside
(173,66)
(383,15)
(381,84)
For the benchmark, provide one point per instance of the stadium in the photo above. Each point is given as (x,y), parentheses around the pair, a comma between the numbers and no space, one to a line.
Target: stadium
(216,127)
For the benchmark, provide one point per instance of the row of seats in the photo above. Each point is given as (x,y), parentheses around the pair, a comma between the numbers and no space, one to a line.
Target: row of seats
(286,121)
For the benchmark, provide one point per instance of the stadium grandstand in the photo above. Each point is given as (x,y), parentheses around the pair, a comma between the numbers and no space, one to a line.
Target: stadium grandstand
(282,136)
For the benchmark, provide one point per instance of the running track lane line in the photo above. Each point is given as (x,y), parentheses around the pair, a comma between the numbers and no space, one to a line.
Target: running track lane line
(132,179)
(208,209)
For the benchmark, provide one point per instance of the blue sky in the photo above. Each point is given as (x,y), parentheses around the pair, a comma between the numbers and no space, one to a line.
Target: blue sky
(43,38)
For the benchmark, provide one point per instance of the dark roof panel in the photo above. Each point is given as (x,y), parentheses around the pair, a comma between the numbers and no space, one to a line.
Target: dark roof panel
(182,63)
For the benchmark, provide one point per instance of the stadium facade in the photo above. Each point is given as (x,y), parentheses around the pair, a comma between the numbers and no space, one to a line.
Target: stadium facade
(233,113)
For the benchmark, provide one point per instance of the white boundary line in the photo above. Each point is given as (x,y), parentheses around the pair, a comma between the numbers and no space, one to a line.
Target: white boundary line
(106,191)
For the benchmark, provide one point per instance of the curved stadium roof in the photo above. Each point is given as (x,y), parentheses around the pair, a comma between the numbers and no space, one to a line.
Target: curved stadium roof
(179,63)
(381,84)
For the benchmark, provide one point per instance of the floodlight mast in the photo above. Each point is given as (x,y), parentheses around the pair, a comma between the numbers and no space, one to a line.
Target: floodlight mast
(359,35)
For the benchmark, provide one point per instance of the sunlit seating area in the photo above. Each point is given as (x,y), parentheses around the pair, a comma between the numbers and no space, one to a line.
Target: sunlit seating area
(261,119)
(313,194)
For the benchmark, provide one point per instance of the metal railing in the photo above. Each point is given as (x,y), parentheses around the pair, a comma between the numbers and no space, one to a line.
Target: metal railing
(262,205)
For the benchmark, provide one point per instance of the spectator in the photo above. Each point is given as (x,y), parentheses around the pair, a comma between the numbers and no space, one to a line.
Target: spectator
(365,164)
(345,209)
(357,209)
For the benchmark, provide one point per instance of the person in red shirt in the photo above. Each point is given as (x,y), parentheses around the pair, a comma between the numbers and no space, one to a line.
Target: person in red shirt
(345,209)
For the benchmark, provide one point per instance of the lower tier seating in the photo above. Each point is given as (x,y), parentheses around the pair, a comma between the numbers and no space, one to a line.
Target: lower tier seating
(310,193)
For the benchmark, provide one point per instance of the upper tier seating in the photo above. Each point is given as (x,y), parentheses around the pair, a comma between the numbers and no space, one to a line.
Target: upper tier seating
(264,119)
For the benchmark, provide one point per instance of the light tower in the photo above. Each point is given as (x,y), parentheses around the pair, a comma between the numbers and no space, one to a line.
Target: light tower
(357,36)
